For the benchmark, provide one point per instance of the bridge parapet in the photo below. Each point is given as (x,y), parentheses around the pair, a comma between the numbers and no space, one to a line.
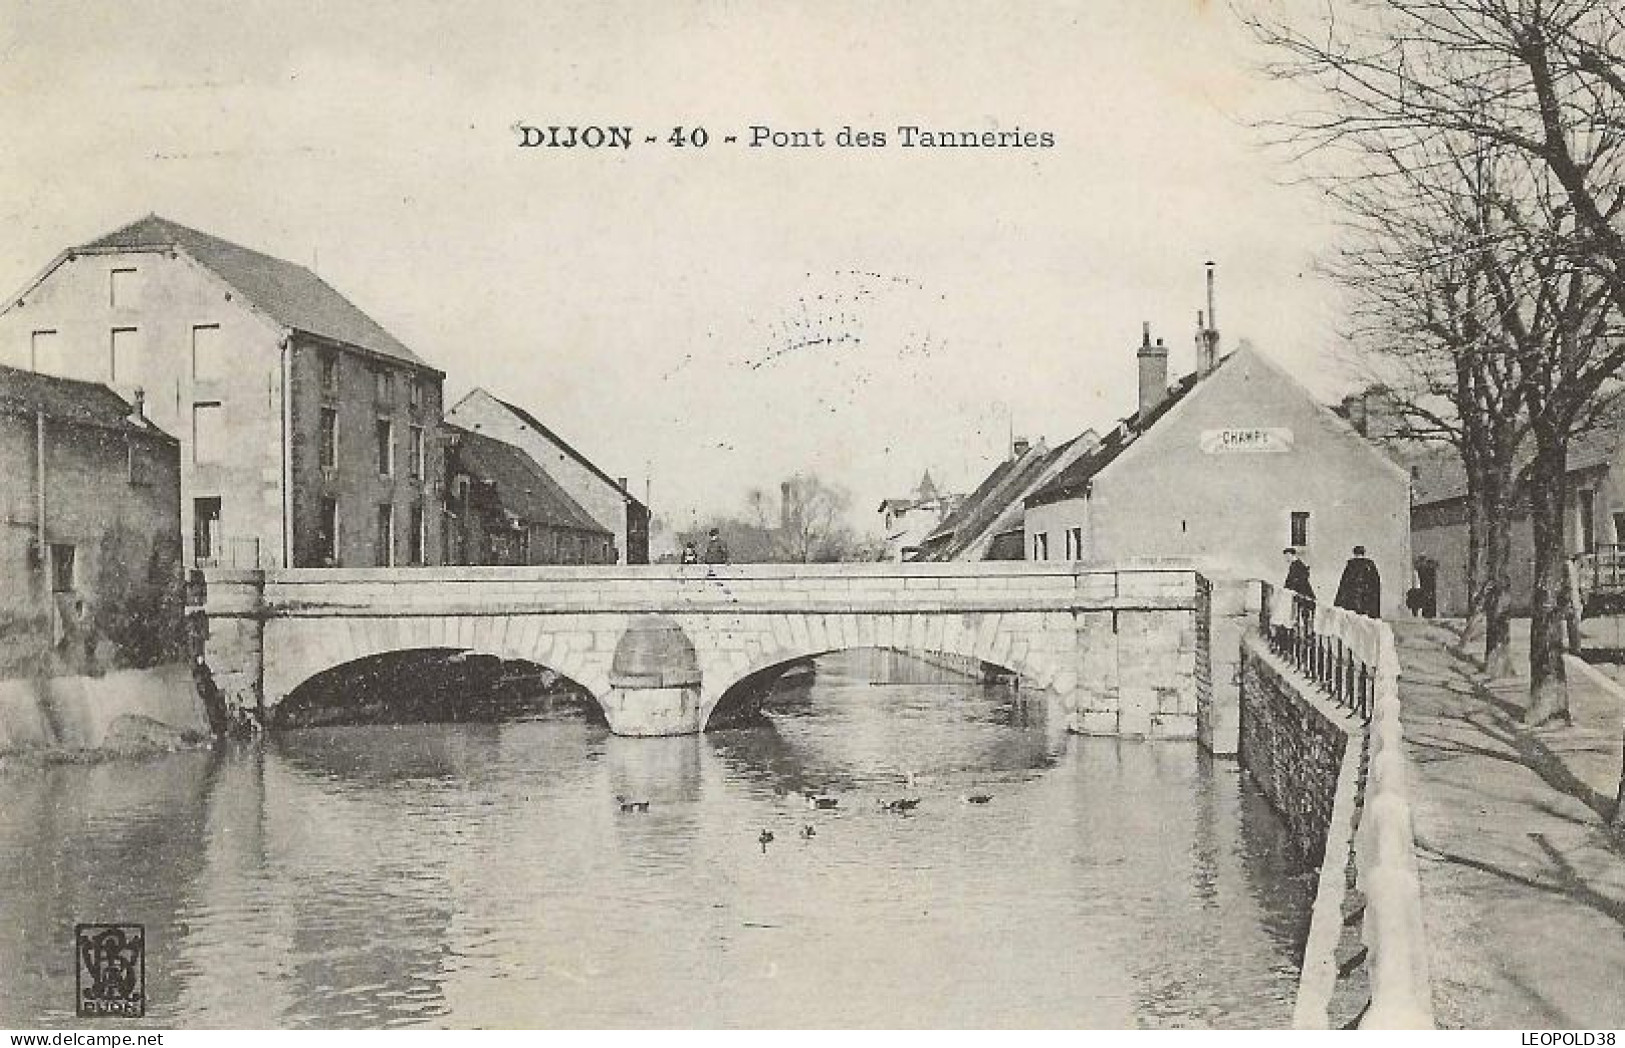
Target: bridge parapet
(1116,645)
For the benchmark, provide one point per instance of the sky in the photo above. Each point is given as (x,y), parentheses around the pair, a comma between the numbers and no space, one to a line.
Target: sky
(707,319)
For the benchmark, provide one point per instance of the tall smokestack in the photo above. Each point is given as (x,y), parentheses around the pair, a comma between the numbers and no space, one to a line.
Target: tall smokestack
(1153,361)
(1207,336)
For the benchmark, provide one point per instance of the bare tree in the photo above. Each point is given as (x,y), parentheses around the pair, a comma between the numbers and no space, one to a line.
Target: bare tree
(1537,78)
(809,526)
(811,519)
(1417,256)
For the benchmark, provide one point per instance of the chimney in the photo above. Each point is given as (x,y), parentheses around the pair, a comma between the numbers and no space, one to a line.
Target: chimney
(138,405)
(1153,372)
(621,483)
(1207,336)
(1019,447)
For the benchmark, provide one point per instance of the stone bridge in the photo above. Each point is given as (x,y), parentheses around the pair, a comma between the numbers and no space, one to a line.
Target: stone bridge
(1122,650)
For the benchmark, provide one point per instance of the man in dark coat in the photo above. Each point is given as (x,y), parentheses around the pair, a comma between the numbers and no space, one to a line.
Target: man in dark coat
(1360,589)
(1297,574)
(1297,581)
(716,551)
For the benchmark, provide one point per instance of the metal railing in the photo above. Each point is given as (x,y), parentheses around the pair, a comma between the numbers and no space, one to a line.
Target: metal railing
(232,552)
(1602,578)
(1348,678)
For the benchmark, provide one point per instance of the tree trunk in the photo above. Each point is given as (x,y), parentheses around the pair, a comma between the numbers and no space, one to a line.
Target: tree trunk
(1618,821)
(1548,491)
(1497,600)
(1477,514)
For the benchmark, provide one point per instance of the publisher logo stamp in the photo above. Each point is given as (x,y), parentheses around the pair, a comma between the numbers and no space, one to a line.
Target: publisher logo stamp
(111,962)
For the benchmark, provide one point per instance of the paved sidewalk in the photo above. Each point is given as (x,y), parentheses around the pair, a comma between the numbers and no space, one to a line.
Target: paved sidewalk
(1523,886)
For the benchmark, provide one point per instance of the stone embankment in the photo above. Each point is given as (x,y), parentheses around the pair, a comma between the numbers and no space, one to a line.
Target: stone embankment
(1340,783)
(123,713)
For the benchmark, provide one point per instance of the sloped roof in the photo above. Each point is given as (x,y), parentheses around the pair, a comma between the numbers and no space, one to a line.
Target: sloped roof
(952,522)
(69,400)
(1008,482)
(1073,480)
(289,293)
(522,485)
(1437,475)
(534,423)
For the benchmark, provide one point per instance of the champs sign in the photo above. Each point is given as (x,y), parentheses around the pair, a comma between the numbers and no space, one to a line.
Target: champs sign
(1246,441)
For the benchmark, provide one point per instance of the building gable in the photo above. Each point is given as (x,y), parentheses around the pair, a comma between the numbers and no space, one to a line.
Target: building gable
(1243,401)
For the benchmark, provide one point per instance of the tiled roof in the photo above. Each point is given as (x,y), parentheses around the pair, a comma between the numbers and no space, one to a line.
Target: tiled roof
(522,486)
(952,522)
(1073,480)
(1437,474)
(289,293)
(534,423)
(68,400)
(1008,482)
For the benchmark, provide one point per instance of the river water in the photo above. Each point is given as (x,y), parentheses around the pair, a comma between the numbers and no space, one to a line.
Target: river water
(485,875)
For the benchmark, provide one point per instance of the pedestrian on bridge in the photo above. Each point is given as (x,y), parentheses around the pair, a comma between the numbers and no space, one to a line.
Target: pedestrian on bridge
(1297,582)
(1360,589)
(716,551)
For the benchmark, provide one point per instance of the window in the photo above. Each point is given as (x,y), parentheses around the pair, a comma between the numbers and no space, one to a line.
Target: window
(122,288)
(1298,534)
(385,546)
(330,439)
(414,456)
(45,353)
(418,540)
(415,391)
(384,431)
(61,568)
(1074,543)
(330,369)
(208,432)
(1586,505)
(208,353)
(327,533)
(384,386)
(1041,546)
(124,356)
(205,529)
(1619,527)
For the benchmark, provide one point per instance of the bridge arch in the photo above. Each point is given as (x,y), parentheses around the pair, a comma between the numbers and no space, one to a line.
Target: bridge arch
(1042,655)
(738,700)
(427,685)
(309,647)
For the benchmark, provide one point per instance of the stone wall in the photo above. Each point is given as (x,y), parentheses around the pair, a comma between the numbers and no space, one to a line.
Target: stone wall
(1341,785)
(123,610)
(78,712)
(1291,744)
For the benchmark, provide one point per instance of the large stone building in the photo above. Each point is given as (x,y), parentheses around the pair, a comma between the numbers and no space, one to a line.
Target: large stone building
(503,508)
(305,428)
(1223,470)
(90,559)
(607,500)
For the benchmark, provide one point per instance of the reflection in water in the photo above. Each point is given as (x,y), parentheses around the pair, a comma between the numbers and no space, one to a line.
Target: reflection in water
(485,875)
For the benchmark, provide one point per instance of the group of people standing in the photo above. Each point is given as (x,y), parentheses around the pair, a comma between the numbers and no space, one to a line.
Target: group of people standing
(1359,590)
(716,551)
